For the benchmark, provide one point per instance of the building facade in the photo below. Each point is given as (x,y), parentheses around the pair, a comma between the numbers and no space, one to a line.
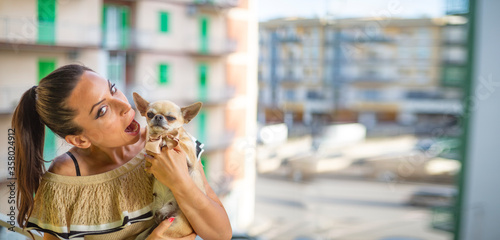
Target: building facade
(181,50)
(354,70)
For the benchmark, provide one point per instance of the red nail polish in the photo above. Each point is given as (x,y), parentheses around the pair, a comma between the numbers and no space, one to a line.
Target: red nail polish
(171,219)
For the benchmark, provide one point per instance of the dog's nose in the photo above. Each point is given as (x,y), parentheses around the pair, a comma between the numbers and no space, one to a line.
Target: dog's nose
(158,117)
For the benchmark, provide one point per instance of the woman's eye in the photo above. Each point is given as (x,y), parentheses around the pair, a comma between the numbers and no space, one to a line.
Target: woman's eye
(102,111)
(151,115)
(113,89)
(170,118)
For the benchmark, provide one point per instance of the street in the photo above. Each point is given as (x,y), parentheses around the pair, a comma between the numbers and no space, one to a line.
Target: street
(329,207)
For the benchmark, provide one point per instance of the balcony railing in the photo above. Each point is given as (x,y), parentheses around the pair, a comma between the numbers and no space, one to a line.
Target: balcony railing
(24,30)
(291,79)
(370,79)
(219,141)
(432,106)
(209,96)
(290,39)
(211,6)
(210,47)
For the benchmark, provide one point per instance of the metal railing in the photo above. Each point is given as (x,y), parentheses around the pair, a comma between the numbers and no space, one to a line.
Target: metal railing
(24,30)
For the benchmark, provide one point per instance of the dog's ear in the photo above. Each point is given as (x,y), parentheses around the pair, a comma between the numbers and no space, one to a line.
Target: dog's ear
(141,104)
(189,112)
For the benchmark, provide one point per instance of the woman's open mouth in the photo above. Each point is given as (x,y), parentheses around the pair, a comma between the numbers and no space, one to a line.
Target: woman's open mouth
(134,128)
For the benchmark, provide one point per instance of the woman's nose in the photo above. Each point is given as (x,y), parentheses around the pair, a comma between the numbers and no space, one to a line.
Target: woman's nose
(123,105)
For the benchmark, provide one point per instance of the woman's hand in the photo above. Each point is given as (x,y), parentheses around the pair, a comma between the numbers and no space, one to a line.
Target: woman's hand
(158,233)
(169,166)
(205,212)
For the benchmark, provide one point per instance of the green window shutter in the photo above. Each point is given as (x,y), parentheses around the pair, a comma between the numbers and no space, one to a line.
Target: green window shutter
(202,126)
(164,22)
(46,66)
(124,15)
(46,21)
(104,23)
(203,81)
(163,74)
(204,25)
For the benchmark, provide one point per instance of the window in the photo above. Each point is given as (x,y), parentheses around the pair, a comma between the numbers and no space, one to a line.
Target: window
(204,25)
(115,26)
(371,95)
(164,22)
(290,95)
(46,21)
(46,66)
(202,126)
(314,94)
(203,81)
(163,71)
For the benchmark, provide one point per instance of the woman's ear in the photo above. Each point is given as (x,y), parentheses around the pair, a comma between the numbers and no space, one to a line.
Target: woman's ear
(78,141)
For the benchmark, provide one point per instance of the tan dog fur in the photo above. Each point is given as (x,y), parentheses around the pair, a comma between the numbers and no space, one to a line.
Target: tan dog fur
(168,132)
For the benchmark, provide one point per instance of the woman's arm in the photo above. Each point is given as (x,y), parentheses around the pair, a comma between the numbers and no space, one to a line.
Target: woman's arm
(205,213)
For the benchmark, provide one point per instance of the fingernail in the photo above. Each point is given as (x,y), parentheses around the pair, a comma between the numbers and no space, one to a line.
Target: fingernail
(171,219)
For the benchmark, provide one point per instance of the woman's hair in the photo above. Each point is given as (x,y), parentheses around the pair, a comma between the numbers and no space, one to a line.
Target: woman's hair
(44,105)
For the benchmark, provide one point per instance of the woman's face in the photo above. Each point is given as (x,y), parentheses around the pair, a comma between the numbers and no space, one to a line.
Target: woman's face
(103,112)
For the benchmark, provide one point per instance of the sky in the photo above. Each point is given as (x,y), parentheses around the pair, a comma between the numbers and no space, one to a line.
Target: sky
(269,9)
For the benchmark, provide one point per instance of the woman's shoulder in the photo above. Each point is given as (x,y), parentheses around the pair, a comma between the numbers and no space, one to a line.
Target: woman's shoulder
(63,165)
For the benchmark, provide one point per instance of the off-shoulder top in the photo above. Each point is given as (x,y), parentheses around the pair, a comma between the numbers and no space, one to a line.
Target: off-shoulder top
(110,205)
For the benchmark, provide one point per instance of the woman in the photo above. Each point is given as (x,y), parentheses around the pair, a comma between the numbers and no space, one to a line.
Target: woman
(98,189)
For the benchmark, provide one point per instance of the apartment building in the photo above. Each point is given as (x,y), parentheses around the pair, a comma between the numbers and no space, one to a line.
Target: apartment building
(364,70)
(291,71)
(181,50)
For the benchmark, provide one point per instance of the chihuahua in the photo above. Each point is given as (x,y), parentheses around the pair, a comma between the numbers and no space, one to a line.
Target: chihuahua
(164,129)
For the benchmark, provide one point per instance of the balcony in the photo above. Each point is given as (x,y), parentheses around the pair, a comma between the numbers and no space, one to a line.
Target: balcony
(152,41)
(219,141)
(290,81)
(22,32)
(210,47)
(210,96)
(319,105)
(370,79)
(290,39)
(365,39)
(431,106)
(210,6)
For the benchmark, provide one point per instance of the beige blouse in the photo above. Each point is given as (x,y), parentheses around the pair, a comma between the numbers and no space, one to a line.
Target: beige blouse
(110,205)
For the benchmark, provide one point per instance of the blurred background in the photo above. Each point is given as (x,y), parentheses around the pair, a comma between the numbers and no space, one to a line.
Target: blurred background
(322,119)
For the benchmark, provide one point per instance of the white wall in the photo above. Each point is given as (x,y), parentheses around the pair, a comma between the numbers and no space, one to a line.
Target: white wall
(18,21)
(481,208)
(78,22)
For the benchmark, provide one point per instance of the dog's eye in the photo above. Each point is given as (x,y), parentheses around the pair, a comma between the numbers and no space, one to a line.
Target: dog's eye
(151,115)
(169,118)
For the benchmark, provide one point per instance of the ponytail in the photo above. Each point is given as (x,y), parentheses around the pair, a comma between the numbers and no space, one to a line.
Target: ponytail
(29,135)
(42,106)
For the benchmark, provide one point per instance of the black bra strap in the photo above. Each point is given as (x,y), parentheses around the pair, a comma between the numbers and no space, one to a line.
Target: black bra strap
(76,163)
